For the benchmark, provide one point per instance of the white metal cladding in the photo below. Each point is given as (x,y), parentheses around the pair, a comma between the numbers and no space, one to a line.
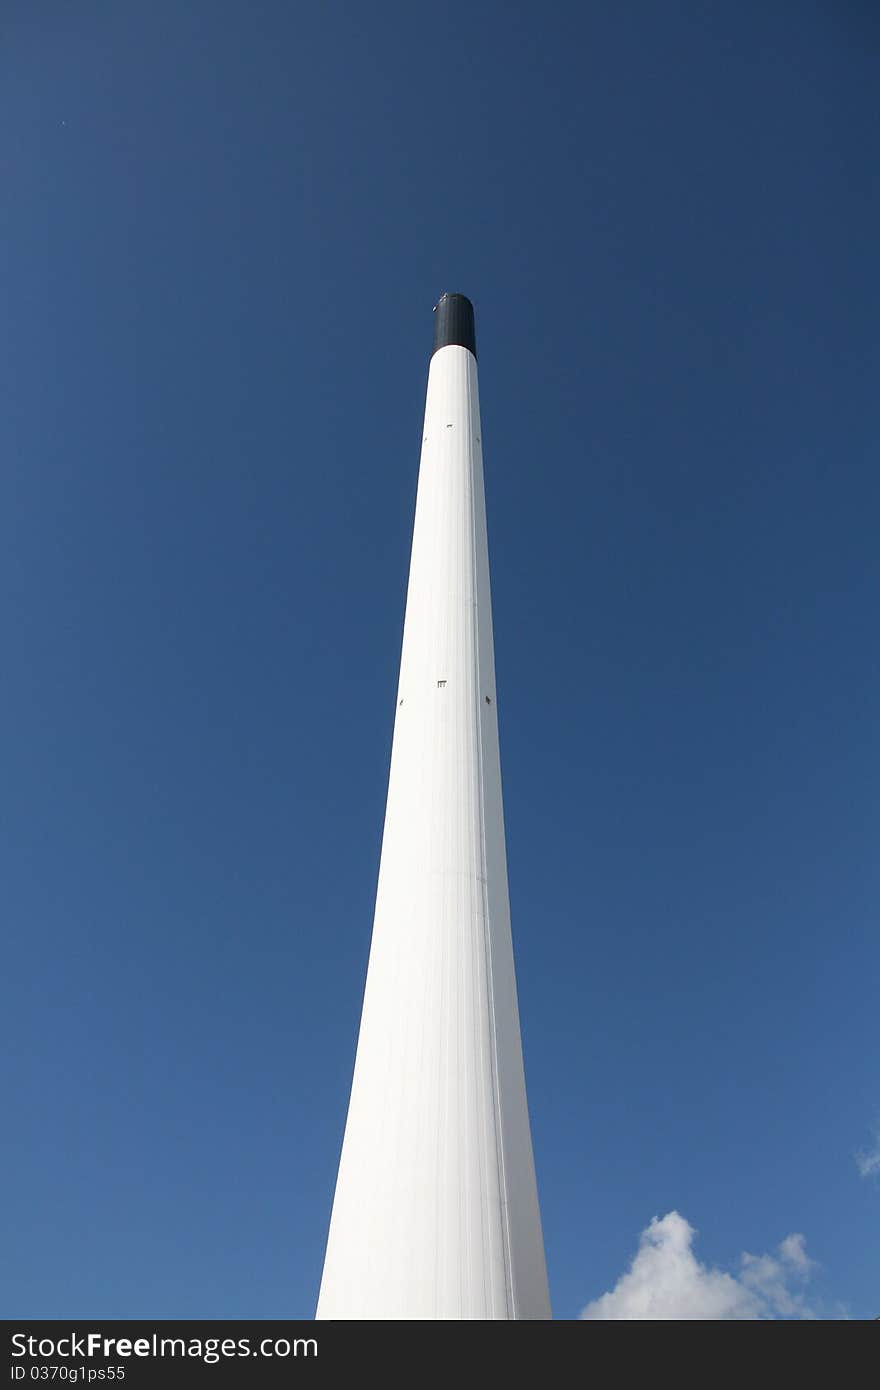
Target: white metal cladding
(436,1210)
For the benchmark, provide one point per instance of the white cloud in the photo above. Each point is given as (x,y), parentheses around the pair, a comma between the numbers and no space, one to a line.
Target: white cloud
(792,1250)
(868,1160)
(667,1281)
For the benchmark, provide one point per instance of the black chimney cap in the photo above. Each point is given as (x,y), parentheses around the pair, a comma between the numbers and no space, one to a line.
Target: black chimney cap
(454,323)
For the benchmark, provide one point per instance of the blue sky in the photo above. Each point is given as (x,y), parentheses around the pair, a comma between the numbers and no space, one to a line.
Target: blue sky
(224,229)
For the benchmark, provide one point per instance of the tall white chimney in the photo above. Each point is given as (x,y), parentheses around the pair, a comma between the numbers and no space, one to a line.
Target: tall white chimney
(436,1209)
